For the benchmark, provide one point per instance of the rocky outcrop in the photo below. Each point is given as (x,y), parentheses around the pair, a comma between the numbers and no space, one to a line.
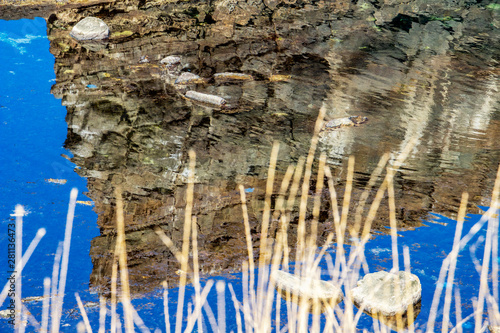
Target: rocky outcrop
(385,296)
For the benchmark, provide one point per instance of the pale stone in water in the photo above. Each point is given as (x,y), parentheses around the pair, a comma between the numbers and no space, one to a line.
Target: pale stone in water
(205,98)
(326,293)
(90,28)
(170,60)
(386,293)
(494,329)
(187,78)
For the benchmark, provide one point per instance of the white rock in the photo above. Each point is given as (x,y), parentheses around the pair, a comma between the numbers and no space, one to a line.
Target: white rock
(386,293)
(205,98)
(171,60)
(326,293)
(90,28)
(494,329)
(187,78)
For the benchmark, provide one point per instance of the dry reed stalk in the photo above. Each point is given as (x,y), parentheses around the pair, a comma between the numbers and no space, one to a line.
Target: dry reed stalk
(192,319)
(45,305)
(488,250)
(210,315)
(220,286)
(237,309)
(264,256)
(122,259)
(347,195)
(114,278)
(458,310)
(102,314)
(378,198)
(394,240)
(279,207)
(26,318)
(292,308)
(339,253)
(84,314)
(280,243)
(454,255)
(393,222)
(483,285)
(495,263)
(165,306)
(366,192)
(247,302)
(185,240)
(442,274)
(53,291)
(56,317)
(196,270)
(411,311)
(138,321)
(19,212)
(20,264)
(248,238)
(305,190)
(170,244)
(317,202)
(289,207)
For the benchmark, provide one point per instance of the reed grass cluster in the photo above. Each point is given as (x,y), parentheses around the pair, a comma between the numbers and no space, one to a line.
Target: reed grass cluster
(261,308)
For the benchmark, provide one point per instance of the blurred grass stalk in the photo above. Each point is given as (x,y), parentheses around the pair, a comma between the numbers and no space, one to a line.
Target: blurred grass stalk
(254,311)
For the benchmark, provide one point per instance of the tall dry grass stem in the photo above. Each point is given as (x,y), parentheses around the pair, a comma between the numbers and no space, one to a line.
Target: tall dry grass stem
(114,277)
(20,264)
(248,238)
(45,305)
(305,190)
(165,306)
(19,212)
(122,259)
(454,252)
(102,314)
(84,314)
(185,240)
(358,215)
(56,317)
(55,279)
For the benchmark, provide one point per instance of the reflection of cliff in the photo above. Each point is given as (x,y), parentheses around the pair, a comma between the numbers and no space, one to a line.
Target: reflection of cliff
(129,125)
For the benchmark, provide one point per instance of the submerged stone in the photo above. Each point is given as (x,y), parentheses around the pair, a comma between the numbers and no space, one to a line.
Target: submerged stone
(494,329)
(90,28)
(387,296)
(344,122)
(228,76)
(313,290)
(170,60)
(188,78)
(205,98)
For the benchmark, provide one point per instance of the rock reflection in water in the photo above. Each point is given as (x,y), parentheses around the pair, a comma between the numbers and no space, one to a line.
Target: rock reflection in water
(427,74)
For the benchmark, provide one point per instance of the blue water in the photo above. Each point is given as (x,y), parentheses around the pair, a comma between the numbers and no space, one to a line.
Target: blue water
(32,133)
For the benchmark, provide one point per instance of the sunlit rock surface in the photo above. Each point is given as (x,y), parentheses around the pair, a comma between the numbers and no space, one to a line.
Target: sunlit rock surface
(90,28)
(413,69)
(386,296)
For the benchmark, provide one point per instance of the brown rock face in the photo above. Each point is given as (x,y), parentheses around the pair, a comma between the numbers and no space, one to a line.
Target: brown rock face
(129,124)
